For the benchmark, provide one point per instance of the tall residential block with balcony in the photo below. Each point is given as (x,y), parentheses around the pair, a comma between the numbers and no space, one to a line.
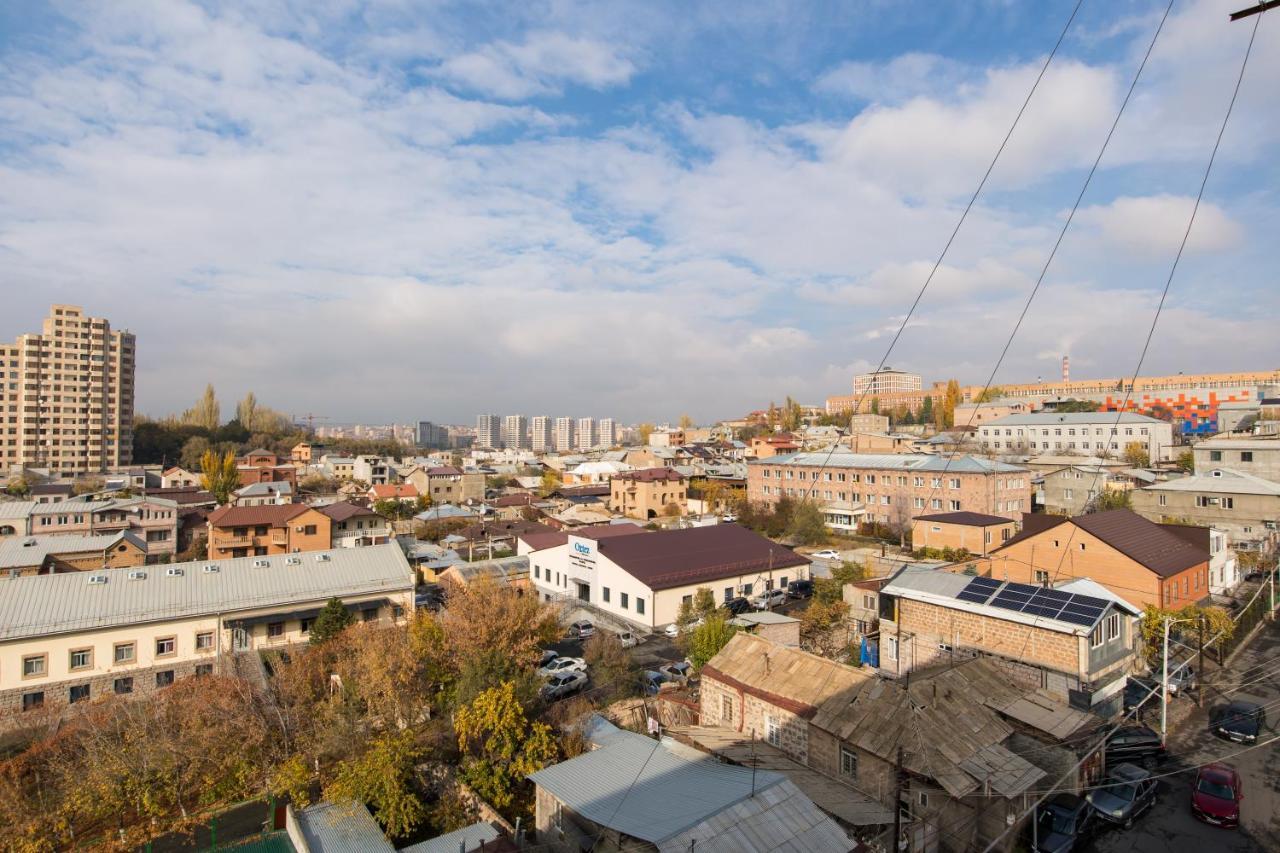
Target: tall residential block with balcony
(66,396)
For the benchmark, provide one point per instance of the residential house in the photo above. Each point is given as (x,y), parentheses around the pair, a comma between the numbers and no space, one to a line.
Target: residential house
(775,627)
(768,446)
(392,492)
(374,470)
(153,520)
(1138,560)
(974,532)
(1244,505)
(890,489)
(355,526)
(630,792)
(47,493)
(447,484)
(1224,570)
(67,638)
(1258,455)
(1077,642)
(262,466)
(863,600)
(243,531)
(42,555)
(338,467)
(1075,489)
(263,494)
(180,478)
(649,493)
(879,442)
(643,578)
(594,472)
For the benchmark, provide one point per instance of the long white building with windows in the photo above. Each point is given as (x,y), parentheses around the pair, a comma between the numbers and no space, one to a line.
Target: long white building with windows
(1086,433)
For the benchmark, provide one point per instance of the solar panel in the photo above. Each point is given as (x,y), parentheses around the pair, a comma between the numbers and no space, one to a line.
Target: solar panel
(1090,601)
(1054,595)
(1010,600)
(1024,588)
(978,590)
(1078,618)
(976,597)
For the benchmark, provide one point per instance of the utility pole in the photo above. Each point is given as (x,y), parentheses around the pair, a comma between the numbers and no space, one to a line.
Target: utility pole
(1200,680)
(1164,686)
(897,802)
(1255,10)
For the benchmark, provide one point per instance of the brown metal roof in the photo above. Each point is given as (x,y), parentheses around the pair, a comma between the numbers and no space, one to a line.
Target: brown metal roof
(1033,524)
(1151,545)
(541,541)
(342,510)
(968,519)
(246,516)
(672,558)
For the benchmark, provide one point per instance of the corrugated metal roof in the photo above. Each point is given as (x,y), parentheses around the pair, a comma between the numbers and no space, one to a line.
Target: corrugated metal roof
(1072,419)
(466,839)
(17,553)
(16,509)
(52,604)
(926,462)
(341,828)
(781,671)
(1222,480)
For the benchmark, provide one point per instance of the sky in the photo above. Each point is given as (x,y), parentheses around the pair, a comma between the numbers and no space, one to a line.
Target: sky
(423,210)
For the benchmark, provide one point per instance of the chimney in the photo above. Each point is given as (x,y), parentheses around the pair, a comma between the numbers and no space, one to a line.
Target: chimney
(1066,368)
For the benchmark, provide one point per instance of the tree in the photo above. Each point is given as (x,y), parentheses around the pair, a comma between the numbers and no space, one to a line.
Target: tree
(1219,627)
(193,452)
(247,411)
(206,412)
(550,482)
(1135,453)
(1187,461)
(926,410)
(947,415)
(686,422)
(706,640)
(823,630)
(487,616)
(995,392)
(807,525)
(383,778)
(611,668)
(875,405)
(1073,405)
(828,590)
(1111,499)
(331,621)
(644,431)
(220,478)
(672,510)
(88,486)
(501,746)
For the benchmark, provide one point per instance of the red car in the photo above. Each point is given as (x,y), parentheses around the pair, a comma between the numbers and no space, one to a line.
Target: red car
(1216,795)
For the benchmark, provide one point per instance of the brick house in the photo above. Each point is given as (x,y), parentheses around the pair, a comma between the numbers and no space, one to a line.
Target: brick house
(245,531)
(755,686)
(975,532)
(1136,559)
(446,484)
(262,466)
(42,555)
(647,493)
(1077,645)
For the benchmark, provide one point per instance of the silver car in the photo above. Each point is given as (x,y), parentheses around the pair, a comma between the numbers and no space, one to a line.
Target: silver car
(564,684)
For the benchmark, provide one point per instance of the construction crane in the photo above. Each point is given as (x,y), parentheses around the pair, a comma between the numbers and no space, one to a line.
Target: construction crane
(310,419)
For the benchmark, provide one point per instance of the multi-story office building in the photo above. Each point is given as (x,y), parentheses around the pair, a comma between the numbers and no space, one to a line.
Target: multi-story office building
(886,380)
(66,400)
(515,432)
(432,436)
(564,434)
(608,432)
(541,434)
(1096,433)
(489,431)
(587,436)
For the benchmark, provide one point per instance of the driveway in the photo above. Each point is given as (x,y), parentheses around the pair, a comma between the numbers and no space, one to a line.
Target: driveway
(1169,826)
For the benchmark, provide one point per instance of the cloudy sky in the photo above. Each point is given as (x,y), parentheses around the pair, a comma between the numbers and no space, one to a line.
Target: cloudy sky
(411,210)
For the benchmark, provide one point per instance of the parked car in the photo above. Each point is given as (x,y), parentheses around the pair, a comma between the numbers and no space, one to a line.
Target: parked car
(629,639)
(737,605)
(582,629)
(769,598)
(651,682)
(564,684)
(1063,824)
(673,630)
(1143,692)
(678,672)
(1254,575)
(1127,792)
(1182,678)
(1239,721)
(1216,795)
(1134,743)
(826,554)
(729,519)
(548,655)
(560,665)
(800,589)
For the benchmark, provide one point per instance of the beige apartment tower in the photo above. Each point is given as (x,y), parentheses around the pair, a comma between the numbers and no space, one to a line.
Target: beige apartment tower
(67,401)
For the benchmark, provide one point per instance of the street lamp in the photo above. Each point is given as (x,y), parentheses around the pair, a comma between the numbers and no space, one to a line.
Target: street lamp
(1164,681)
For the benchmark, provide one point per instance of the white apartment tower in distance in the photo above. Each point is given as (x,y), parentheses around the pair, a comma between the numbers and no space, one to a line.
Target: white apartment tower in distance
(886,380)
(515,431)
(541,434)
(564,435)
(68,406)
(608,432)
(587,436)
(489,431)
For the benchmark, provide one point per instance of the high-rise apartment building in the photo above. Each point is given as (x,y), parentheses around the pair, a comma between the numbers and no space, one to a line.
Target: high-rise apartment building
(564,434)
(886,380)
(515,431)
(489,431)
(431,436)
(542,435)
(608,432)
(587,434)
(66,396)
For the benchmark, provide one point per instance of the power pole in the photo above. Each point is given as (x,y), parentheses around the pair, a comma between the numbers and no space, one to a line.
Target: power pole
(1255,10)
(897,802)
(1200,680)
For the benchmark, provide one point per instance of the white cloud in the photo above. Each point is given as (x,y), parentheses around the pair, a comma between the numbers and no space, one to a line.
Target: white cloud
(906,76)
(540,65)
(1155,225)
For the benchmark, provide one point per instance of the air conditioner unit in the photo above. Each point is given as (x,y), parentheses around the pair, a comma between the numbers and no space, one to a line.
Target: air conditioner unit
(97,579)
(298,529)
(211,568)
(293,561)
(137,576)
(174,572)
(262,564)
(322,558)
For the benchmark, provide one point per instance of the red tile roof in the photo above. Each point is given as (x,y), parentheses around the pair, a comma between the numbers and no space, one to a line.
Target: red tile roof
(401,491)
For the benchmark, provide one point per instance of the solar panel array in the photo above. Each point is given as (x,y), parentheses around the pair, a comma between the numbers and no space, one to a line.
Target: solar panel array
(1035,600)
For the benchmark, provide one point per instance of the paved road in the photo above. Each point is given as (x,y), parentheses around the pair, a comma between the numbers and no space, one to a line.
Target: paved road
(1169,826)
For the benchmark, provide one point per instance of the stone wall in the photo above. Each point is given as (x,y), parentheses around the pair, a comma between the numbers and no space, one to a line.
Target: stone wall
(57,693)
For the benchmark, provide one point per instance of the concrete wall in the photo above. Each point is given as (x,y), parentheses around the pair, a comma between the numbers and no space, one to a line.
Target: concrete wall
(1245,522)
(975,540)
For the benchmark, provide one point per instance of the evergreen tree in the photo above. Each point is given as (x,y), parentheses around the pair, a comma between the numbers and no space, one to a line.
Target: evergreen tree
(331,621)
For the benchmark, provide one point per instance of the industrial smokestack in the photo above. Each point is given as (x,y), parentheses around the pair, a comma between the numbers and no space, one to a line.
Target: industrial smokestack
(1066,368)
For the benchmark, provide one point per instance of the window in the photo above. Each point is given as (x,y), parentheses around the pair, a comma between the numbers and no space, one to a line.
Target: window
(922,799)
(639,605)
(275,630)
(868,602)
(604,594)
(728,594)
(204,641)
(1215,455)
(537,572)
(773,731)
(686,599)
(124,653)
(35,666)
(78,693)
(1246,455)
(1042,577)
(1162,500)
(891,648)
(164,678)
(81,659)
(726,709)
(1095,638)
(305,625)
(166,646)
(204,669)
(31,701)
(622,600)
(954,483)
(369,614)
(308,530)
(123,685)
(1113,627)
(954,505)
(746,589)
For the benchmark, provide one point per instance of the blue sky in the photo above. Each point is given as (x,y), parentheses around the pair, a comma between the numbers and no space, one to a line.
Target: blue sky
(424,210)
